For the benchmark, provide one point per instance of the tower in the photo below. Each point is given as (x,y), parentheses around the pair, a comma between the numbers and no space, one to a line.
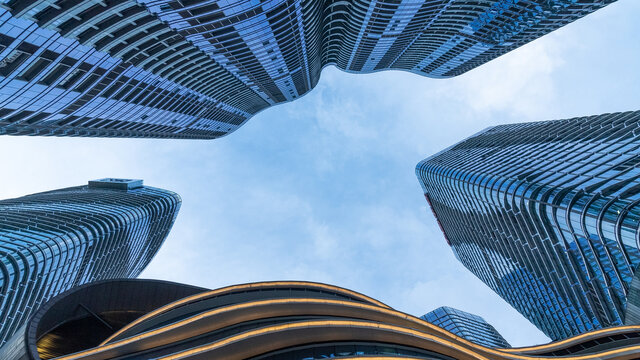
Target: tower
(56,240)
(199,69)
(469,326)
(546,214)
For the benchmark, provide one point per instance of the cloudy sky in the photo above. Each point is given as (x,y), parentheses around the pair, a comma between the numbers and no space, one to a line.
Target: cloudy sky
(324,188)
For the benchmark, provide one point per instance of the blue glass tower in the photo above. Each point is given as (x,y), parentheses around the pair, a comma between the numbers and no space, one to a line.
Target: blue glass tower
(466,325)
(547,215)
(198,69)
(53,241)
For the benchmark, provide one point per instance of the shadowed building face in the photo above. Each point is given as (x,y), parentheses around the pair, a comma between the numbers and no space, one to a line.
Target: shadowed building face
(282,320)
(199,69)
(53,241)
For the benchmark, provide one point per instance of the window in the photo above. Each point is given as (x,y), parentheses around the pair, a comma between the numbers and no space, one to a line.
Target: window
(87,82)
(36,67)
(123,91)
(11,62)
(58,71)
(115,86)
(54,74)
(71,78)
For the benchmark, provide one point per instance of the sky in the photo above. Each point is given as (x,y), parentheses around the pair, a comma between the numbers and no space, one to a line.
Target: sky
(324,188)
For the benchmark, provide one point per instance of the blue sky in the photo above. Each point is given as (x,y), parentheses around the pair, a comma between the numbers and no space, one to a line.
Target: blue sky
(324,189)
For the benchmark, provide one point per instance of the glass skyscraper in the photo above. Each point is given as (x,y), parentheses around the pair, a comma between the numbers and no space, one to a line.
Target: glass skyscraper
(55,240)
(469,326)
(198,69)
(546,214)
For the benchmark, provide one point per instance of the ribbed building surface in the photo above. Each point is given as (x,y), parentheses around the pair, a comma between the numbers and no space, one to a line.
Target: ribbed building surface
(547,215)
(53,241)
(198,69)
(281,320)
(469,326)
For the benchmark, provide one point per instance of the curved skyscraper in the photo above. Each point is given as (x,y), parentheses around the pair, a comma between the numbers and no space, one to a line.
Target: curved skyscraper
(280,320)
(198,69)
(53,241)
(547,215)
(469,326)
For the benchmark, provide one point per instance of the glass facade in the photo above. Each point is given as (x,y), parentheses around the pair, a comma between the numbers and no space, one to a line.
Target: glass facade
(199,69)
(546,214)
(55,240)
(469,326)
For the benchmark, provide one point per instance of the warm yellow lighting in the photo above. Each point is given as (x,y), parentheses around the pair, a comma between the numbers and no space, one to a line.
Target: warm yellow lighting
(430,332)
(217,292)
(321,323)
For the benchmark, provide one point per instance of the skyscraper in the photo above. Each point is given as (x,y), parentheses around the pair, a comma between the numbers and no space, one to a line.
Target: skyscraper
(278,320)
(547,215)
(469,326)
(55,240)
(198,69)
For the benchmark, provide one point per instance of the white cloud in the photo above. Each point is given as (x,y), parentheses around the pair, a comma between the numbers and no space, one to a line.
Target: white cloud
(324,189)
(519,83)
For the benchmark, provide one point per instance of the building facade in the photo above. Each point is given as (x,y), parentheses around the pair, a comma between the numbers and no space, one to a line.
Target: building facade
(198,69)
(547,215)
(55,240)
(279,320)
(469,326)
